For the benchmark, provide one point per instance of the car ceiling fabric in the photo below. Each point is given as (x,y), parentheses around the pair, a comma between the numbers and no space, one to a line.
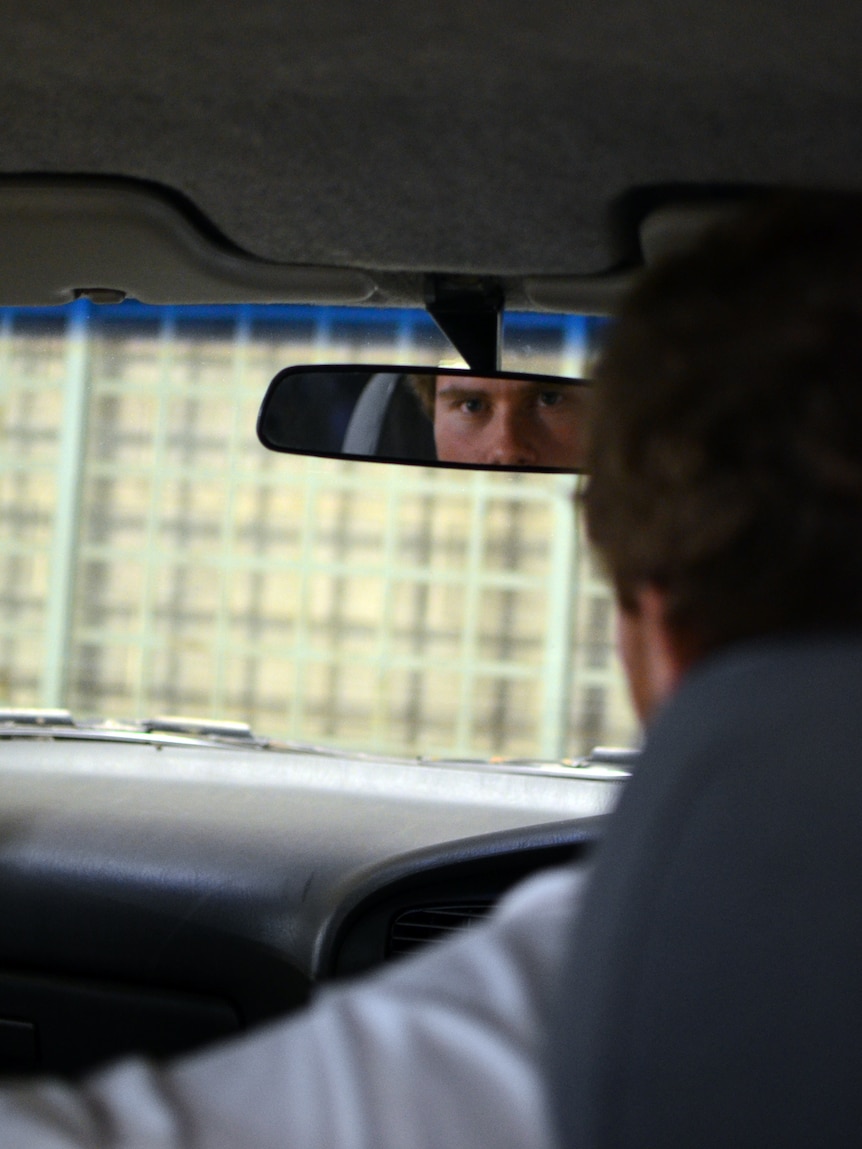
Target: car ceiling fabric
(491,135)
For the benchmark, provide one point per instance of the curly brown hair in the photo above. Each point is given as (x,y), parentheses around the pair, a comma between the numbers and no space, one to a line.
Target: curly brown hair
(726,446)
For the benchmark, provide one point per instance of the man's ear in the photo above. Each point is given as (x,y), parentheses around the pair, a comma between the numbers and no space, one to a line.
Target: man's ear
(670,659)
(653,661)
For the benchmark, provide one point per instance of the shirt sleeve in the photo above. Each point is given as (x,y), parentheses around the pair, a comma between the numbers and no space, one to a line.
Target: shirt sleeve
(439,1050)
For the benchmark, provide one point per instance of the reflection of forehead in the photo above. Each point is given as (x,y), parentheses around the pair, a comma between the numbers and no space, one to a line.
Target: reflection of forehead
(469,385)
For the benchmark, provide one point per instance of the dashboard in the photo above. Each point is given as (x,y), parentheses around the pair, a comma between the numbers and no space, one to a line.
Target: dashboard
(157,894)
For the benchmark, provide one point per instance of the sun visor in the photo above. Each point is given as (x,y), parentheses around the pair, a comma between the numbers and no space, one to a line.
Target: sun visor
(110,239)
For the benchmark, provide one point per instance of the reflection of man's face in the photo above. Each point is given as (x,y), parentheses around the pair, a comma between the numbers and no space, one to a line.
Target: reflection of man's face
(509,422)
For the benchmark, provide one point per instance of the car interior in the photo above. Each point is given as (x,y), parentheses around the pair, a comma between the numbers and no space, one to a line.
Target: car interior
(270,713)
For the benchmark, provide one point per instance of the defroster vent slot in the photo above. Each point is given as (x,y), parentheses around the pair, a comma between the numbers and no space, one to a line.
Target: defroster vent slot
(422,924)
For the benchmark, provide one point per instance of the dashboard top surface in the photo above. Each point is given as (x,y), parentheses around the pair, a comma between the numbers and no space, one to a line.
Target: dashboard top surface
(132,862)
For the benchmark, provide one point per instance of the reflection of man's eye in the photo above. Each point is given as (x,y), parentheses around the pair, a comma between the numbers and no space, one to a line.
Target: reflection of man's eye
(550,398)
(472,406)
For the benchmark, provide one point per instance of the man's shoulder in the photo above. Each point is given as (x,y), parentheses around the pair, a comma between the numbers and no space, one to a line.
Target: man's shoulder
(773,688)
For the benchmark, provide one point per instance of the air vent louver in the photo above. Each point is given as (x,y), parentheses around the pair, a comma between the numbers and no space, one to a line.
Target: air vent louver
(422,924)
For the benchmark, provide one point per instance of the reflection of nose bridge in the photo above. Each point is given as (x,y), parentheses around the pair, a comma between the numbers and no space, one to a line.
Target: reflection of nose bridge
(513,443)
(509,422)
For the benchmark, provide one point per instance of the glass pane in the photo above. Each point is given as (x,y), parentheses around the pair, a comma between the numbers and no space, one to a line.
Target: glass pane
(155,558)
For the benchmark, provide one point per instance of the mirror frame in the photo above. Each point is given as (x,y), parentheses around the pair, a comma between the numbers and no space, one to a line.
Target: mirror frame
(402,369)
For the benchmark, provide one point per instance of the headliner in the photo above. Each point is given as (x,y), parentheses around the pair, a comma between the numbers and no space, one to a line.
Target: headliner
(461,135)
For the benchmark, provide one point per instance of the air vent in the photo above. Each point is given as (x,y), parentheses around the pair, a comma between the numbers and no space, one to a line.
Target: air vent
(415,927)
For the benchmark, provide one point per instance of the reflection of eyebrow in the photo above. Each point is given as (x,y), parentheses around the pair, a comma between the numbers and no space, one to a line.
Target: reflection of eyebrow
(462,393)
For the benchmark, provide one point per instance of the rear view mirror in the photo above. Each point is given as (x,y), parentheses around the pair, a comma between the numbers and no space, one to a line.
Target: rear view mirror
(432,416)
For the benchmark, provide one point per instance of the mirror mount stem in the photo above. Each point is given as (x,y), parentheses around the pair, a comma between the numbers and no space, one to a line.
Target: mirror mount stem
(469,312)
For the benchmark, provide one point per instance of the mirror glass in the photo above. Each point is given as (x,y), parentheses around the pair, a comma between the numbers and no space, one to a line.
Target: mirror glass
(429,416)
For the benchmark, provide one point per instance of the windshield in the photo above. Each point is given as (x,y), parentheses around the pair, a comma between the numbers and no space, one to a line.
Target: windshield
(155,559)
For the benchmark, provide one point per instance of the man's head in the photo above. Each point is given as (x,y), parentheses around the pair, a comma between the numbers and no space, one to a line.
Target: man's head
(505,422)
(726,449)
